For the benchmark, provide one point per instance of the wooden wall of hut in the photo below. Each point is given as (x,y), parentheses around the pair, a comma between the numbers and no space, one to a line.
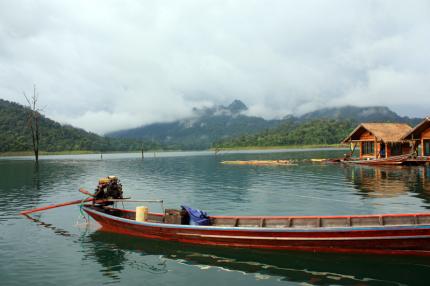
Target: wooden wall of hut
(425,142)
(402,148)
(365,138)
(381,149)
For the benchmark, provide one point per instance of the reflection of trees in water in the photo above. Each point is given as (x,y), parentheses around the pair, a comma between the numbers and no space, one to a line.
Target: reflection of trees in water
(388,181)
(114,253)
(20,184)
(24,183)
(36,177)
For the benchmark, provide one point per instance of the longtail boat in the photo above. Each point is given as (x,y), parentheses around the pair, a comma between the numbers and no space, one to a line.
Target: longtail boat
(402,160)
(396,234)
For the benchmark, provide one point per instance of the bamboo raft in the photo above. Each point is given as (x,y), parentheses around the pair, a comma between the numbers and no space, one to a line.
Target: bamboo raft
(260,162)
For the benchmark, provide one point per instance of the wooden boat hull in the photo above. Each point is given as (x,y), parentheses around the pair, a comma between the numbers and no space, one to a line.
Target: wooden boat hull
(398,240)
(392,162)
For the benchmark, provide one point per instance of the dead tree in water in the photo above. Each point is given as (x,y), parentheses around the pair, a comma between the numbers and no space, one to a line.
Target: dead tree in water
(33,121)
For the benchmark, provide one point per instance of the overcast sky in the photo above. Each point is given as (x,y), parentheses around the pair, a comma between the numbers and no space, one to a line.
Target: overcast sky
(106,65)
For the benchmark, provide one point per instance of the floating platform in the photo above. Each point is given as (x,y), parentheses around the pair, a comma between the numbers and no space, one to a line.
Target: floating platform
(260,162)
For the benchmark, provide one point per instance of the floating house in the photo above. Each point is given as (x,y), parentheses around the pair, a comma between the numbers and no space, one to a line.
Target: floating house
(420,135)
(380,140)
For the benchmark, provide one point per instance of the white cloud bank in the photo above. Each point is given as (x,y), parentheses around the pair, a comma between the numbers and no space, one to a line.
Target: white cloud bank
(106,65)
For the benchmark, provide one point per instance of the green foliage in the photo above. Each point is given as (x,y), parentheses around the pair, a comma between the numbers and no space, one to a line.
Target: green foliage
(225,126)
(197,133)
(291,132)
(15,135)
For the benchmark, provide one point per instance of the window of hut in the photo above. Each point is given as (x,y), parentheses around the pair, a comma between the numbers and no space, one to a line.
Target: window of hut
(368,148)
(426,147)
(396,149)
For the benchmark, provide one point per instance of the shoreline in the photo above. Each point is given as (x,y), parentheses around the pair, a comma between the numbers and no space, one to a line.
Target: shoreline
(252,148)
(43,153)
(281,147)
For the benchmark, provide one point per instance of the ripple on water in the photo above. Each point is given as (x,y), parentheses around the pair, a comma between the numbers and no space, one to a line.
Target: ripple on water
(38,250)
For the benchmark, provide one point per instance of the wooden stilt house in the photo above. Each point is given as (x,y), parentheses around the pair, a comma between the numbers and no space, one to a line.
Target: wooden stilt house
(380,140)
(420,135)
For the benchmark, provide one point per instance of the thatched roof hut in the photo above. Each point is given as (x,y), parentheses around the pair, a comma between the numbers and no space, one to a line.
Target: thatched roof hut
(380,140)
(383,132)
(416,132)
(420,135)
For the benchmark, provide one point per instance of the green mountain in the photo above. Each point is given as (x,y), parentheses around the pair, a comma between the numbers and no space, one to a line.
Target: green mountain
(324,126)
(202,129)
(217,126)
(359,114)
(15,136)
(227,126)
(294,132)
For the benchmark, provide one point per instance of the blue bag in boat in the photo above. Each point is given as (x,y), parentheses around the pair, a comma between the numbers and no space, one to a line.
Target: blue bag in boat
(197,217)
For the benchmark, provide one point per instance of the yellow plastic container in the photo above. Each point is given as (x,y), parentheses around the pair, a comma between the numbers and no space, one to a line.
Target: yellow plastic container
(141,213)
(107,179)
(104,181)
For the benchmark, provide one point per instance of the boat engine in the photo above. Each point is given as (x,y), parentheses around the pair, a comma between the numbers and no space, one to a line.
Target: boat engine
(108,188)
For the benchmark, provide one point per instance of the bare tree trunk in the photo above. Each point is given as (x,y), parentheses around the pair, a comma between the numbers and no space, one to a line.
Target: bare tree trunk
(33,122)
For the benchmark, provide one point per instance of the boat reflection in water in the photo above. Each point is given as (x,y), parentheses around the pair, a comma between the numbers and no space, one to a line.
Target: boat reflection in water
(390,181)
(116,253)
(110,252)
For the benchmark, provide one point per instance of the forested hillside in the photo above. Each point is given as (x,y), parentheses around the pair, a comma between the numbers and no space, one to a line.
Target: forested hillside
(229,126)
(200,131)
(217,126)
(292,132)
(15,136)
(359,114)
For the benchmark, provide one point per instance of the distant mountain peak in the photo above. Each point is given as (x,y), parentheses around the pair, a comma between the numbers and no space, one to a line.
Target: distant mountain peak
(218,122)
(357,113)
(381,110)
(234,108)
(237,106)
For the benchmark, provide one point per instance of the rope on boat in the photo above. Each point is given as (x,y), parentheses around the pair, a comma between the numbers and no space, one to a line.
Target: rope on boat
(82,214)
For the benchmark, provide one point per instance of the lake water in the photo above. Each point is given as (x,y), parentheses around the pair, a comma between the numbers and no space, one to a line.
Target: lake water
(57,247)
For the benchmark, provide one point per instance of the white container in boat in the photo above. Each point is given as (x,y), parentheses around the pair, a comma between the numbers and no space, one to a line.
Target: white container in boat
(141,213)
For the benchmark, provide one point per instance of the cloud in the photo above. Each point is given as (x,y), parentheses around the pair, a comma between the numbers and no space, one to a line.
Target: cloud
(104,65)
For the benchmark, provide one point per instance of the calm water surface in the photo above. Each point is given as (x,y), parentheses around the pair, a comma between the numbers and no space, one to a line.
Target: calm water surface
(57,247)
